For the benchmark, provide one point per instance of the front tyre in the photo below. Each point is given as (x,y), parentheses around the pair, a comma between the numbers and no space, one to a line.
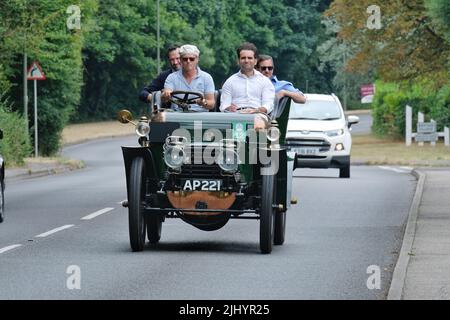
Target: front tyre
(280,228)
(136,194)
(266,224)
(154,225)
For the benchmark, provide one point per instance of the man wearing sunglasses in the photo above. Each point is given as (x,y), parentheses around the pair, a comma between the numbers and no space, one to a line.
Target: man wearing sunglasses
(173,56)
(247,91)
(282,88)
(190,78)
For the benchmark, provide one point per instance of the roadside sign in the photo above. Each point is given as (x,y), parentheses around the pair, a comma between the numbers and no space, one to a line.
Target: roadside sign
(426,132)
(367,92)
(35,72)
(426,137)
(426,127)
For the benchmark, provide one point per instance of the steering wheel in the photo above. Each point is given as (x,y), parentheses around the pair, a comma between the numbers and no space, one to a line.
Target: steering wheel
(184,102)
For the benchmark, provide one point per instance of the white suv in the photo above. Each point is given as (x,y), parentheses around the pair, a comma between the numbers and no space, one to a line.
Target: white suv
(319,133)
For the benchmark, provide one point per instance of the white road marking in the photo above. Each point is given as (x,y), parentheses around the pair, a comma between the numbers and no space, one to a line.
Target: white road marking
(45,234)
(399,170)
(96,214)
(3,250)
(404,170)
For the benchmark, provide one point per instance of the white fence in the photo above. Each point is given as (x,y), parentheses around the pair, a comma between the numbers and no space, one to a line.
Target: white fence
(426,131)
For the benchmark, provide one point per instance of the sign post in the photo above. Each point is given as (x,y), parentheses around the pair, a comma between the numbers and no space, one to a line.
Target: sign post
(35,73)
(426,131)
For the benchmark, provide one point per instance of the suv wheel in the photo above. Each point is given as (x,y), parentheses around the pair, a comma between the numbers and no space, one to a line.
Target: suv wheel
(344,172)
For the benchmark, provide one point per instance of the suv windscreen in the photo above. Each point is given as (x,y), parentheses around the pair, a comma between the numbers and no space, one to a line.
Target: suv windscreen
(315,110)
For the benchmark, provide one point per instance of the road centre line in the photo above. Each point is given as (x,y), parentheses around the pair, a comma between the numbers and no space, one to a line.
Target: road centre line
(8,248)
(45,234)
(96,214)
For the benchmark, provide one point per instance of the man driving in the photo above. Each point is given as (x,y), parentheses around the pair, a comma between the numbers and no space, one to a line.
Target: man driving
(190,78)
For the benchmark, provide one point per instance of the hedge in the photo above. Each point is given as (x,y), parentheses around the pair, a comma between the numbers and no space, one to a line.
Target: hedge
(15,145)
(390,100)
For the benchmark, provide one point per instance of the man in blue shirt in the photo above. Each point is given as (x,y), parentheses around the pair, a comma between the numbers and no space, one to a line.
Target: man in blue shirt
(282,88)
(191,78)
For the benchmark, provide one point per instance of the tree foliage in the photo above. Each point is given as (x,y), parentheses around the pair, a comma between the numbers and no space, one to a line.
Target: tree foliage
(289,31)
(318,45)
(405,47)
(39,28)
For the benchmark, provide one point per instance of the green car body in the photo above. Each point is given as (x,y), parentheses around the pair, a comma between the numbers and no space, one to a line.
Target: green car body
(207,168)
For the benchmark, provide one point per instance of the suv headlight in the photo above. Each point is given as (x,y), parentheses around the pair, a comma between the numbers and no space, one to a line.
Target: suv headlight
(335,133)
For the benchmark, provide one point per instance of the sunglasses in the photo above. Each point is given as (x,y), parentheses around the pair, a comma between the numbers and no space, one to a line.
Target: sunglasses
(191,59)
(266,68)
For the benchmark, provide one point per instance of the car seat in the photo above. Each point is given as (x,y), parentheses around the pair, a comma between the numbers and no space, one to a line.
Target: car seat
(217,95)
(279,106)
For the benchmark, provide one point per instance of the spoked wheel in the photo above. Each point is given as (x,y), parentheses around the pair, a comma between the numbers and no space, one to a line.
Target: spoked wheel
(266,223)
(280,228)
(136,221)
(2,201)
(154,224)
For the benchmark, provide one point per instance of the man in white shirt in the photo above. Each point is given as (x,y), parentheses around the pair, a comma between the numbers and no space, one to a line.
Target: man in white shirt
(247,91)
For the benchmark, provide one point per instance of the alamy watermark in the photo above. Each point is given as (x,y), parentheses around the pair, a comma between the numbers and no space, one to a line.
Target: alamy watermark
(74,20)
(374,20)
(374,280)
(73,282)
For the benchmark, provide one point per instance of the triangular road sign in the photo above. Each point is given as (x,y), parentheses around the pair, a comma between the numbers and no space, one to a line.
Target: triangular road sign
(35,72)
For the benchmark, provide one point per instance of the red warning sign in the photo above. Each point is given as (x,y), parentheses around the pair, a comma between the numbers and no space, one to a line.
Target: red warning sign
(35,72)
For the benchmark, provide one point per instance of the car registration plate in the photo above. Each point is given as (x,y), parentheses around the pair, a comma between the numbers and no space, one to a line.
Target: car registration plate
(307,151)
(201,185)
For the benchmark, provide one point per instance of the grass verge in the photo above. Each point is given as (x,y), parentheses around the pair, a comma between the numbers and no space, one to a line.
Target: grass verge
(370,150)
(77,133)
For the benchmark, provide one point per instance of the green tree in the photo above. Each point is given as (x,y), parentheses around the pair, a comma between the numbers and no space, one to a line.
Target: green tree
(439,11)
(290,31)
(334,53)
(39,28)
(120,55)
(405,47)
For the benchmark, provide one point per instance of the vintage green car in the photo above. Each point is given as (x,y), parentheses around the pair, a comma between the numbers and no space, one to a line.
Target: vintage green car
(206,168)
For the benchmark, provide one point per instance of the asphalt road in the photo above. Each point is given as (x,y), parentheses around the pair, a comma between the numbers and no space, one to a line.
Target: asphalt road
(364,125)
(339,228)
